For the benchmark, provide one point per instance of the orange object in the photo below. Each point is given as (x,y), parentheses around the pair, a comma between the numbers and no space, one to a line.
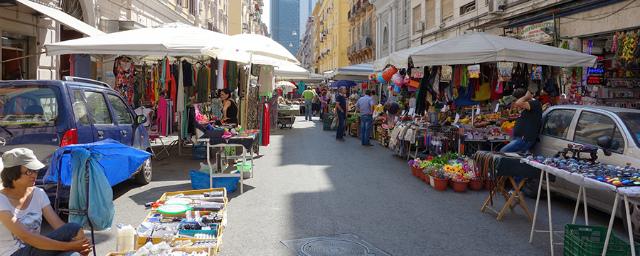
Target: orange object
(388,73)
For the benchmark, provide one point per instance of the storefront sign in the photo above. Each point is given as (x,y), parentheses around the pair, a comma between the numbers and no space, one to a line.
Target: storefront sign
(594,80)
(538,33)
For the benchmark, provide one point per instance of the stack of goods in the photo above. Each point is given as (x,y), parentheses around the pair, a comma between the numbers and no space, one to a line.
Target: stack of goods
(182,223)
(618,176)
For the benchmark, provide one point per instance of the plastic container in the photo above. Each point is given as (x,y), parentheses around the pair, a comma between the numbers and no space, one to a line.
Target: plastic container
(245,168)
(125,238)
(582,240)
(200,180)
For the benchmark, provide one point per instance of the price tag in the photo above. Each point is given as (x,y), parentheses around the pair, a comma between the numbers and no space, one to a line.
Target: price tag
(497,108)
(455,121)
(478,110)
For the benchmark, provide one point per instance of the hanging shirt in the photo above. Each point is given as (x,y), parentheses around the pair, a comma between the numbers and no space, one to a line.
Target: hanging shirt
(202,83)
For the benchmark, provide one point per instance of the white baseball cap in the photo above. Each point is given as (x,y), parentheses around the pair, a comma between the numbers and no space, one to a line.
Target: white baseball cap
(21,156)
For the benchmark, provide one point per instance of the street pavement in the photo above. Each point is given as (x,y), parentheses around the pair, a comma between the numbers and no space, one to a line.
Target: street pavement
(307,184)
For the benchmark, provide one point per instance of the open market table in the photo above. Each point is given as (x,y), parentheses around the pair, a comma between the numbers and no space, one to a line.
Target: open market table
(584,182)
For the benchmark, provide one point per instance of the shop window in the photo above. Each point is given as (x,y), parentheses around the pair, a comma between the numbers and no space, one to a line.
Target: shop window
(385,38)
(430,13)
(592,126)
(405,14)
(14,48)
(98,107)
(467,8)
(557,122)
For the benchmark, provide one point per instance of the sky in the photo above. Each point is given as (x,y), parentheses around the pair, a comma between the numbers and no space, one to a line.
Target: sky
(266,15)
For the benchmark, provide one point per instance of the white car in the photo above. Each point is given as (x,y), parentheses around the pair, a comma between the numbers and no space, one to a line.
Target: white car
(615,130)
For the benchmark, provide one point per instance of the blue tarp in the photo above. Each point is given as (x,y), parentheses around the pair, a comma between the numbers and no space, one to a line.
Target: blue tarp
(118,161)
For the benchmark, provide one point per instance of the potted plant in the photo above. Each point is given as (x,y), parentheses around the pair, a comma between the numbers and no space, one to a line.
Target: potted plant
(440,180)
(475,181)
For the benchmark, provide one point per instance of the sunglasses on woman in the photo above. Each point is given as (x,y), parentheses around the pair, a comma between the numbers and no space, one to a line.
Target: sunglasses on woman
(29,172)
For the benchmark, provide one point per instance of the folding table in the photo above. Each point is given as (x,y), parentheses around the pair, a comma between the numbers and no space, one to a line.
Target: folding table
(584,183)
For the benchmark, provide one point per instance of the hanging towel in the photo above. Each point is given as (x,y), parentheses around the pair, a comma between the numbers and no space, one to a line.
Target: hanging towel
(101,208)
(220,75)
(233,75)
(180,99)
(202,84)
(265,81)
(161,116)
(266,124)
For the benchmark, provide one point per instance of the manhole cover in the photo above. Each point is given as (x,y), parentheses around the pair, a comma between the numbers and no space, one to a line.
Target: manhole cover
(343,245)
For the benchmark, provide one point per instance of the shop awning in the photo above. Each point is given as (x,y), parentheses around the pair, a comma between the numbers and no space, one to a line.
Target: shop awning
(173,39)
(482,47)
(288,71)
(63,18)
(400,59)
(354,72)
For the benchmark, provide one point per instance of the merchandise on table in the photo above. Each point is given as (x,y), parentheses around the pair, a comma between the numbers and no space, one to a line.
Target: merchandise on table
(618,176)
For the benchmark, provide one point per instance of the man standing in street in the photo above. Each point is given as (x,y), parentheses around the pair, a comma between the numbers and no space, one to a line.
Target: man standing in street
(309,94)
(527,128)
(341,111)
(365,106)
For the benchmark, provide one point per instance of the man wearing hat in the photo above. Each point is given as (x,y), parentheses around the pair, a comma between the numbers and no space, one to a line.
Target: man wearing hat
(22,208)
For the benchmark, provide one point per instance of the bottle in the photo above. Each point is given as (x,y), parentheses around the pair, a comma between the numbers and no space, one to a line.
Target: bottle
(125,239)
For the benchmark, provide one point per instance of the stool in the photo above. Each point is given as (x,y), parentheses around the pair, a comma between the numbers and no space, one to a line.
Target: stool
(513,198)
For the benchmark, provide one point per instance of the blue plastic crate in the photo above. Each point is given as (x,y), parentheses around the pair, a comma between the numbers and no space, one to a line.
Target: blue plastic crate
(200,180)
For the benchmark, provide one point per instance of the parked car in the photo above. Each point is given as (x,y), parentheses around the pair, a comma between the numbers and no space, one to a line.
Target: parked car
(44,115)
(616,131)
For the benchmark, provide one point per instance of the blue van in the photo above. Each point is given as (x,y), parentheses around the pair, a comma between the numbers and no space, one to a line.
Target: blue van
(43,115)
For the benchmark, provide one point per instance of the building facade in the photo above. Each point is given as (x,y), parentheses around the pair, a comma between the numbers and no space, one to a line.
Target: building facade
(393,19)
(246,17)
(24,30)
(362,21)
(306,9)
(285,20)
(331,35)
(306,52)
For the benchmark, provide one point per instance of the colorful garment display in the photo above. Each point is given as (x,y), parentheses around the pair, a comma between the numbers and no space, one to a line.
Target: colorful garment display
(124,71)
(266,124)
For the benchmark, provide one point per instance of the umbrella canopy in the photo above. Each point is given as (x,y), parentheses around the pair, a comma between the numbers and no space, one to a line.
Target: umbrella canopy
(482,47)
(285,84)
(251,48)
(287,70)
(174,39)
(400,58)
(343,83)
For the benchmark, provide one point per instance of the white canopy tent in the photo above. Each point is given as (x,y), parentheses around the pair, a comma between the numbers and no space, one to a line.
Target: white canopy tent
(287,71)
(400,58)
(482,47)
(174,39)
(251,48)
(353,72)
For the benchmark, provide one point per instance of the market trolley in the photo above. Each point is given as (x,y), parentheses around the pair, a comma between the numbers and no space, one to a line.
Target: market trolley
(287,115)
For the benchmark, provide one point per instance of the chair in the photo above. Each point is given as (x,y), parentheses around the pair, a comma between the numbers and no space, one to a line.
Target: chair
(155,136)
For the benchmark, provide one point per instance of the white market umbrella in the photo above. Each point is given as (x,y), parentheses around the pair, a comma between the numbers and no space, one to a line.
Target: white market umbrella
(482,47)
(400,59)
(174,39)
(285,84)
(252,48)
(288,70)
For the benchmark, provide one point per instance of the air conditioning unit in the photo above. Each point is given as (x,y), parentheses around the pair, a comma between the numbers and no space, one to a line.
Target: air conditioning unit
(497,6)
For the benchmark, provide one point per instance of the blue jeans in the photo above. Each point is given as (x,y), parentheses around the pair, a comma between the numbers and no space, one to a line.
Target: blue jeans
(66,233)
(308,109)
(341,119)
(517,145)
(366,121)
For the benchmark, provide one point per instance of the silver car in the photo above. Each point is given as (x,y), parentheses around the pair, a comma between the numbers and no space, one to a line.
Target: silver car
(615,130)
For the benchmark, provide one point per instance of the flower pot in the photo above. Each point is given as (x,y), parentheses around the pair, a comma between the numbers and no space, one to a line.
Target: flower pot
(432,181)
(475,185)
(440,184)
(450,183)
(421,175)
(413,171)
(460,186)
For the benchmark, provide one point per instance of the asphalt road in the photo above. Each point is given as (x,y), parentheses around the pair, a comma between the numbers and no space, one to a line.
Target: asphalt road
(307,184)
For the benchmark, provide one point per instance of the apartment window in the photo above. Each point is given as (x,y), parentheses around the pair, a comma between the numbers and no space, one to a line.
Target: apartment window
(430,13)
(417,24)
(447,9)
(406,9)
(385,38)
(467,8)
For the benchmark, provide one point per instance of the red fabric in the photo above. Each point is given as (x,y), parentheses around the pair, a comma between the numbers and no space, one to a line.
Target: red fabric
(162,116)
(173,89)
(266,125)
(224,74)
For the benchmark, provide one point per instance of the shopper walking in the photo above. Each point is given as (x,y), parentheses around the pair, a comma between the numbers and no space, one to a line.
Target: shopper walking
(527,128)
(309,94)
(341,112)
(365,106)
